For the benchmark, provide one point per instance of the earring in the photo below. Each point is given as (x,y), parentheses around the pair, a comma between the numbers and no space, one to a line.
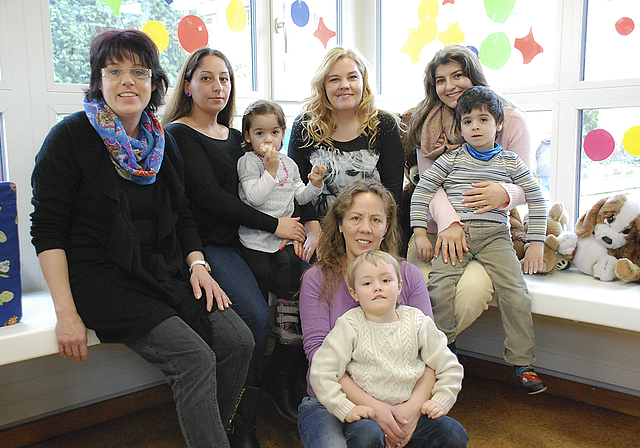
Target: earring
(188,94)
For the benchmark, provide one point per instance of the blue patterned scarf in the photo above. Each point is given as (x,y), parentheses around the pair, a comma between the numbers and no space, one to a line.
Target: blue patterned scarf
(137,160)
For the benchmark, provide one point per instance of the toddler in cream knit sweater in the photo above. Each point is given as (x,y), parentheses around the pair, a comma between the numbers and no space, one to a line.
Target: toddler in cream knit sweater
(384,347)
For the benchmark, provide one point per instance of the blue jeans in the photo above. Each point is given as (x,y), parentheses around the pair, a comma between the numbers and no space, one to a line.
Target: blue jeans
(206,381)
(320,429)
(236,280)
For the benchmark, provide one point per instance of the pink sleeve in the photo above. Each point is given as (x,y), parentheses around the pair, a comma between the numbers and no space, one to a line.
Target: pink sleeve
(440,208)
(515,138)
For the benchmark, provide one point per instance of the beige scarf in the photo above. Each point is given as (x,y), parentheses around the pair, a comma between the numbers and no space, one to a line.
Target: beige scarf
(440,121)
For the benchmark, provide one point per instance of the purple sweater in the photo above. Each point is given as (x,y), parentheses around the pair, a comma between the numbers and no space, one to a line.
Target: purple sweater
(318,318)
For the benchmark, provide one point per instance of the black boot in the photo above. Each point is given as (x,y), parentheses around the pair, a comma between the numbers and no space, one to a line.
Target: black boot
(284,377)
(242,431)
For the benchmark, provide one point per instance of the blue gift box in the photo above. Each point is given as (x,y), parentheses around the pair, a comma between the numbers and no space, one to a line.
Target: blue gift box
(10,283)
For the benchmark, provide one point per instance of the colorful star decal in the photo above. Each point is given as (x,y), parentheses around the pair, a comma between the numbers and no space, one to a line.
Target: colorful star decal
(425,34)
(528,47)
(453,35)
(450,2)
(323,33)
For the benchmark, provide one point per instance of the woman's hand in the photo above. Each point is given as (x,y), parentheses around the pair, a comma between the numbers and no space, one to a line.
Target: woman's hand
(201,280)
(453,243)
(72,337)
(487,195)
(391,421)
(290,229)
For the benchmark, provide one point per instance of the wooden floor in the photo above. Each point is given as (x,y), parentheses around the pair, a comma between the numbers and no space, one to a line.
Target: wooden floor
(495,412)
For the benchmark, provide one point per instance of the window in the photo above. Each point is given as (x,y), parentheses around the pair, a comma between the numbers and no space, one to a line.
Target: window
(178,28)
(304,30)
(610,34)
(609,159)
(516,41)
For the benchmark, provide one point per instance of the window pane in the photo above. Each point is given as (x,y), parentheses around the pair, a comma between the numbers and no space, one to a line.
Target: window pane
(610,35)
(178,29)
(540,131)
(304,31)
(413,30)
(610,161)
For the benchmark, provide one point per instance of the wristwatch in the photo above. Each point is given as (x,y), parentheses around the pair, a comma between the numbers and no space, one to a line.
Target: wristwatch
(202,262)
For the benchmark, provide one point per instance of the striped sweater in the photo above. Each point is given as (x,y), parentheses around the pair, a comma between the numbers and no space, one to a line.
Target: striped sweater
(457,170)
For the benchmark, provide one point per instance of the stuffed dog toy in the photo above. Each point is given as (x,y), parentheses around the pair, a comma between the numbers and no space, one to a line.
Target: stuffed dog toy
(603,234)
(628,267)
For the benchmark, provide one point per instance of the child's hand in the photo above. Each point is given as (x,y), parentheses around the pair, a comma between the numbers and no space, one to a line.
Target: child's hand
(271,159)
(358,412)
(317,174)
(533,258)
(423,245)
(432,409)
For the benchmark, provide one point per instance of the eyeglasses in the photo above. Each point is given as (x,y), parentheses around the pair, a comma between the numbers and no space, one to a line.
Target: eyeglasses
(117,73)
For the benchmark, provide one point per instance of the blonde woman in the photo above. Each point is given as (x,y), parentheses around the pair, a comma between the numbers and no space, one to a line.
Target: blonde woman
(342,129)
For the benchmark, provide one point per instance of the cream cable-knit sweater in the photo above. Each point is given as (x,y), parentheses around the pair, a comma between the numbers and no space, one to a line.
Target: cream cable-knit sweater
(385,360)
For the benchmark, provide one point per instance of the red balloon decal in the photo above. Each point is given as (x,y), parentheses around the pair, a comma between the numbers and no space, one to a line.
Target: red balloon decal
(598,145)
(323,33)
(192,33)
(625,26)
(528,47)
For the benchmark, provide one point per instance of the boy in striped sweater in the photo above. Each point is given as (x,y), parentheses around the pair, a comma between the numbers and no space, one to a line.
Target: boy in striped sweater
(480,114)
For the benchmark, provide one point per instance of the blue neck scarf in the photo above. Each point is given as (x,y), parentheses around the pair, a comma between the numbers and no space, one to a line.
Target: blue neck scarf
(484,155)
(137,160)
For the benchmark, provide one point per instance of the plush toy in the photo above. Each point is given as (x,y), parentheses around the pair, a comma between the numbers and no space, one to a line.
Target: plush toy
(556,221)
(628,267)
(518,233)
(605,233)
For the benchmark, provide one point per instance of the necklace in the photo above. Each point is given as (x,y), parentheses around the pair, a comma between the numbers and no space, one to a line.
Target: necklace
(222,136)
(280,184)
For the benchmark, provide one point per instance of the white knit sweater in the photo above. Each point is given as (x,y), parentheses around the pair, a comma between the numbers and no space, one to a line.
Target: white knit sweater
(384,359)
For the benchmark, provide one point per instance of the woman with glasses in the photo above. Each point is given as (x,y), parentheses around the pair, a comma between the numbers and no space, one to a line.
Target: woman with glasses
(118,245)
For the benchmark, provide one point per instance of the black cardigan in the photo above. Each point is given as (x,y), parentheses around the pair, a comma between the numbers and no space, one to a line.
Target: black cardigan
(81,206)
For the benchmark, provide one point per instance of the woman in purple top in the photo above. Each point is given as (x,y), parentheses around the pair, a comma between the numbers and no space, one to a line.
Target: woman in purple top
(362,218)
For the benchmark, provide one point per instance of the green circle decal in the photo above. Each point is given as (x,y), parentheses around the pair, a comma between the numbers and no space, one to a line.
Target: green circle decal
(495,51)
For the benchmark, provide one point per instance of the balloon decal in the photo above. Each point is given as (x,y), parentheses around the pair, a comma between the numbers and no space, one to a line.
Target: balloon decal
(631,141)
(499,10)
(323,33)
(236,15)
(299,13)
(528,47)
(598,145)
(192,33)
(114,5)
(625,26)
(158,34)
(495,51)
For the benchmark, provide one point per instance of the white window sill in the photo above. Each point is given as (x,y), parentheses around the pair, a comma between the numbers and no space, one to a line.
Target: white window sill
(567,295)
(35,334)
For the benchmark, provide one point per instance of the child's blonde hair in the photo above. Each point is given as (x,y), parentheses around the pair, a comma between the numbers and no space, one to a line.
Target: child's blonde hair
(374,257)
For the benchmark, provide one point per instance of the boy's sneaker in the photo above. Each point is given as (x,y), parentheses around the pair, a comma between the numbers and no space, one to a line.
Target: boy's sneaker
(287,328)
(528,377)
